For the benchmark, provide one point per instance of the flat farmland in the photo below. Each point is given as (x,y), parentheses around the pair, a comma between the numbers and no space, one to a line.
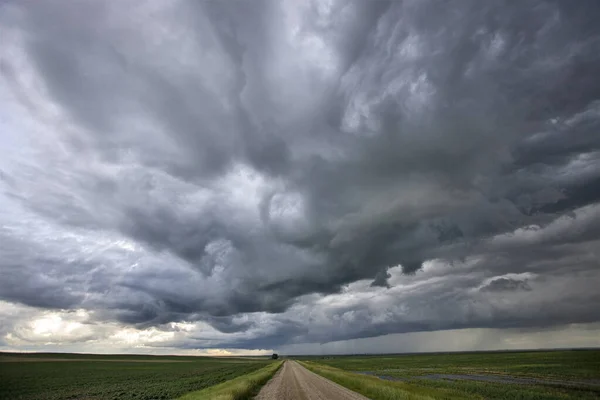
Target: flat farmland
(482,375)
(99,377)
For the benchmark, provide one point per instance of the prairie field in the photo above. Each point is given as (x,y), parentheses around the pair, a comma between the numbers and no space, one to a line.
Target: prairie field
(481,375)
(118,377)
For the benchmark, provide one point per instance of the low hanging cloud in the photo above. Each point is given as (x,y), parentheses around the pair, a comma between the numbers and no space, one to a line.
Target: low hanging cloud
(260,169)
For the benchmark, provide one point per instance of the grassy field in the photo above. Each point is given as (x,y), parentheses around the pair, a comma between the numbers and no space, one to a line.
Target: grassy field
(502,375)
(73,376)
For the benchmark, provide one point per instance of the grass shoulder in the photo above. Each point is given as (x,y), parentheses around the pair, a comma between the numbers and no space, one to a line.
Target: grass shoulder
(378,389)
(241,388)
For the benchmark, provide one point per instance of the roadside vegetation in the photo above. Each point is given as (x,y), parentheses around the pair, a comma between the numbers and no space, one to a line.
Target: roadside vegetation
(241,388)
(375,388)
(115,377)
(512,375)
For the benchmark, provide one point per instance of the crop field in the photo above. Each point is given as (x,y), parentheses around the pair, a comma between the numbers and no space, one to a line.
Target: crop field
(79,376)
(486,375)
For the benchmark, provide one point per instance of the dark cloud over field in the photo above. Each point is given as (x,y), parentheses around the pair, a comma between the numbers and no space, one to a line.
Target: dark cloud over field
(287,172)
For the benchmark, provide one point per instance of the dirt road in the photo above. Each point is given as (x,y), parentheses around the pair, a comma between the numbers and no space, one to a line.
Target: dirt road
(294,382)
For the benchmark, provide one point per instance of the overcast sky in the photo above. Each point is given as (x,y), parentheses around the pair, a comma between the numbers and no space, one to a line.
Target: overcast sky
(301,176)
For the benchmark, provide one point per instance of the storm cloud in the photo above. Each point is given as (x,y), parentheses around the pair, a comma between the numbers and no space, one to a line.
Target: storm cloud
(267,173)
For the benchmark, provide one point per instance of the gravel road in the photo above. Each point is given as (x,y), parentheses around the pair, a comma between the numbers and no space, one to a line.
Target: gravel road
(294,382)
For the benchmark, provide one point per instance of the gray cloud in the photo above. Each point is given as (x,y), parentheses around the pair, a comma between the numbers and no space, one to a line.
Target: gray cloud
(205,161)
(503,284)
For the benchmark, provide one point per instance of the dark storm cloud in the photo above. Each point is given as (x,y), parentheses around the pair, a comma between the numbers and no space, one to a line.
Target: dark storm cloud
(381,279)
(506,284)
(196,161)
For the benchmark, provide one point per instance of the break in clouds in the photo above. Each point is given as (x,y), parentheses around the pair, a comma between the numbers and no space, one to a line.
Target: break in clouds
(263,173)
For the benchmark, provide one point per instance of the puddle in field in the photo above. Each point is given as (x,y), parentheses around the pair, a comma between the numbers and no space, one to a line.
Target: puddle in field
(485,378)
(384,377)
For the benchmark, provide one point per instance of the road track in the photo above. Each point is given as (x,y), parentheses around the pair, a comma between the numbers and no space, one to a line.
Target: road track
(294,382)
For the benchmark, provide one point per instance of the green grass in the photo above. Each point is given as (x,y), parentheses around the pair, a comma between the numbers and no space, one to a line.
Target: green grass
(115,377)
(377,389)
(574,364)
(577,371)
(241,388)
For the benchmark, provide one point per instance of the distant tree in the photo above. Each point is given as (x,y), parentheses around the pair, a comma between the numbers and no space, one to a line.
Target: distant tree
(274,356)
